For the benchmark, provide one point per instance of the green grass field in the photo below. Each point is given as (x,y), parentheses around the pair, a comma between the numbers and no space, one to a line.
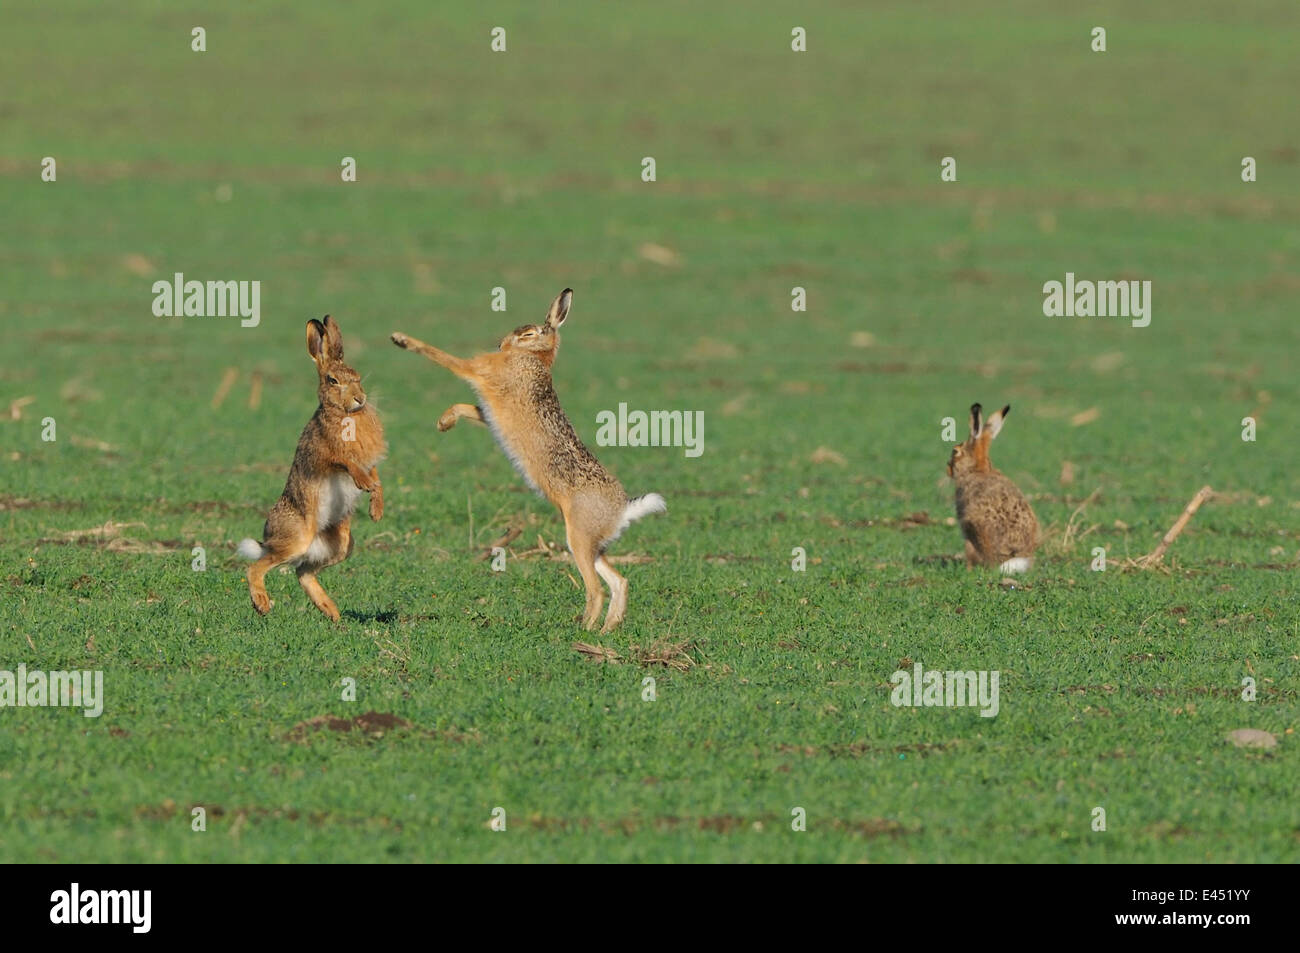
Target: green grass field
(775,169)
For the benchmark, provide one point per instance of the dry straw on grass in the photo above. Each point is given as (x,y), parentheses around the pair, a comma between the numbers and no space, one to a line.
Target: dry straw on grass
(1059,543)
(1153,559)
(673,655)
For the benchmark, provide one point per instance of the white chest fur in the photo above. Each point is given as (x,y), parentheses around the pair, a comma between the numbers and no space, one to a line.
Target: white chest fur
(506,443)
(337,500)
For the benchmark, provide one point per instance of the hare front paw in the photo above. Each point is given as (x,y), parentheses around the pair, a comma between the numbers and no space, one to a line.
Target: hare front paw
(447,421)
(400,339)
(376,506)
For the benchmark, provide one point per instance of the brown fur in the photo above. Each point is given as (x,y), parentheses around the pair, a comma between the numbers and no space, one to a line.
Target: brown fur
(310,525)
(518,402)
(996,520)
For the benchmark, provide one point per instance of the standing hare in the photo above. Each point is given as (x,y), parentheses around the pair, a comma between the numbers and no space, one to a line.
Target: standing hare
(996,519)
(309,525)
(517,403)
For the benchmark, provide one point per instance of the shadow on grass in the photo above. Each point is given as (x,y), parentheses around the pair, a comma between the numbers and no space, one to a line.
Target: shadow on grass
(386,615)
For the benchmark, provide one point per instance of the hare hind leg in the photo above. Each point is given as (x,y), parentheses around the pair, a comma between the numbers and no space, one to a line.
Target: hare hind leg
(316,592)
(257,580)
(281,547)
(338,541)
(335,545)
(617,593)
(584,548)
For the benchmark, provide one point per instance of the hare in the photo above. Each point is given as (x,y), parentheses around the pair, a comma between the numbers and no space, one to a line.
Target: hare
(309,525)
(996,519)
(517,402)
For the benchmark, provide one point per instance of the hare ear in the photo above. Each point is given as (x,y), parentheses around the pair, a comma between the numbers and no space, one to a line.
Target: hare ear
(559,309)
(316,340)
(994,425)
(334,339)
(974,420)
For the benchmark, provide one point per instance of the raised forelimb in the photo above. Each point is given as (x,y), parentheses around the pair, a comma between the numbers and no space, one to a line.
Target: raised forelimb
(456,412)
(376,496)
(457,365)
(368,481)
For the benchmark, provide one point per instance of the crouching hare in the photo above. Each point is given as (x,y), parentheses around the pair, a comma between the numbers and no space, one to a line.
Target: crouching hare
(517,402)
(309,525)
(999,526)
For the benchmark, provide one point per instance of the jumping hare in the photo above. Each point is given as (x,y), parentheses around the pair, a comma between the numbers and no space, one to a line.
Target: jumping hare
(517,402)
(996,519)
(309,525)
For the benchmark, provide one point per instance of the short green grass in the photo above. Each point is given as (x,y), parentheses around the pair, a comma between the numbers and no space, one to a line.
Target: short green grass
(822,429)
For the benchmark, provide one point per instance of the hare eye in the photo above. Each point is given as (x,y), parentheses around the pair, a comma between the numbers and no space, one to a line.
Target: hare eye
(331,379)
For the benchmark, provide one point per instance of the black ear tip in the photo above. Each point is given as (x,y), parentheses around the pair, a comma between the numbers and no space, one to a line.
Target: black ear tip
(567,291)
(974,408)
(1006,410)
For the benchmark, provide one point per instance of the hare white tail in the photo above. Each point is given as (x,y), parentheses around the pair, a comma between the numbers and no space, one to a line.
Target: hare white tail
(250,549)
(637,508)
(1018,564)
